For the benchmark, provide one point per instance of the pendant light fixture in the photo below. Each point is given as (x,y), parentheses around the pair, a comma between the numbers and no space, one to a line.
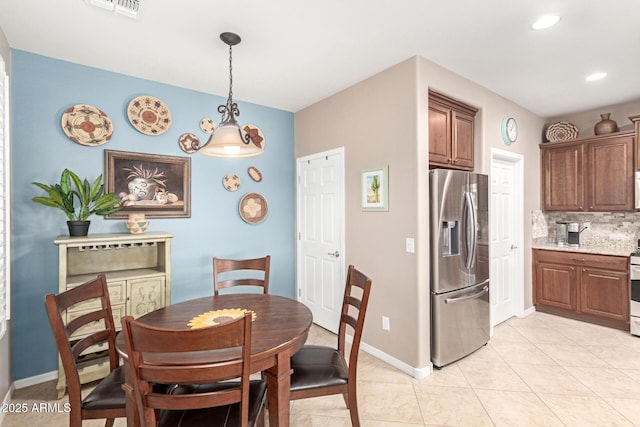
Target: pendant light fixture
(229,139)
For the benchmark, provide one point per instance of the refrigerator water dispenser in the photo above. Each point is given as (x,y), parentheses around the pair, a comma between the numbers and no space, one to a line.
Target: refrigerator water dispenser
(449,238)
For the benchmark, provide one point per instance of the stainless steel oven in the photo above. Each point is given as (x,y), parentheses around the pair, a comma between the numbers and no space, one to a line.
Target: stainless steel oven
(634,292)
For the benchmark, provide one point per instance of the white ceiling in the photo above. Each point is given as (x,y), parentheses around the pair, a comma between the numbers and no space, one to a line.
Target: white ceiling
(296,52)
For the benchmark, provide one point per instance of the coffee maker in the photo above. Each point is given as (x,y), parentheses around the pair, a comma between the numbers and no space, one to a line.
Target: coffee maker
(573,234)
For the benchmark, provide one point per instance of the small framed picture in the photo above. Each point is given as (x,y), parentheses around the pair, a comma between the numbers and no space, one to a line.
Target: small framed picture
(374,189)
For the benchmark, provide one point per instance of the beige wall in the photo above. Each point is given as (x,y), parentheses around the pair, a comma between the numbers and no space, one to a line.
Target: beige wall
(5,359)
(383,121)
(586,120)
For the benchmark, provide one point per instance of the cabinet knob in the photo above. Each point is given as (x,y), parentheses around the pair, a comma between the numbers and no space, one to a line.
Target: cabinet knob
(580,207)
(572,268)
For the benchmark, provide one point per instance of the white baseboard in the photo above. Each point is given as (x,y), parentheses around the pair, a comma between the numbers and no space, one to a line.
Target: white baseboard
(529,311)
(37,379)
(417,373)
(6,401)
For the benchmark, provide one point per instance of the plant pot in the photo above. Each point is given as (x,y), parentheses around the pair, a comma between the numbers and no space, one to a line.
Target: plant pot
(78,228)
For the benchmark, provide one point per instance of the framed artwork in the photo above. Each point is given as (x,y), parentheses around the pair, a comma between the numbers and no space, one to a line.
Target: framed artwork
(155,185)
(374,189)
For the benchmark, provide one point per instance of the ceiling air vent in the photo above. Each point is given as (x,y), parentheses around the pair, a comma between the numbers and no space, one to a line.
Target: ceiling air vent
(128,8)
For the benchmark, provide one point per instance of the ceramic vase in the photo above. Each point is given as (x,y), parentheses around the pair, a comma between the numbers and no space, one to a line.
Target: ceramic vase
(606,125)
(137,223)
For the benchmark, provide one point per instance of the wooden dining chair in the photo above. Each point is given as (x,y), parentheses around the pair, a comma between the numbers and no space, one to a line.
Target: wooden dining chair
(230,268)
(107,399)
(320,370)
(202,366)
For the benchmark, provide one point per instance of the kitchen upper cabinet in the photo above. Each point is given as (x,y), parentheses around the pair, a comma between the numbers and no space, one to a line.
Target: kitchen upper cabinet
(451,138)
(562,182)
(610,185)
(589,175)
(587,286)
(636,124)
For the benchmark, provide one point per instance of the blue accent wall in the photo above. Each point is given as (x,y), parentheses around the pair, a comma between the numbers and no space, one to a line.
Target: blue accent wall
(42,89)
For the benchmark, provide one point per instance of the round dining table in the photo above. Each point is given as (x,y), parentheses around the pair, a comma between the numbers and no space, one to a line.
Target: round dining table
(280,328)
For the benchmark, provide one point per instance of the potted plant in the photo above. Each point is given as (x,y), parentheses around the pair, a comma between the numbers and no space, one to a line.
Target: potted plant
(90,196)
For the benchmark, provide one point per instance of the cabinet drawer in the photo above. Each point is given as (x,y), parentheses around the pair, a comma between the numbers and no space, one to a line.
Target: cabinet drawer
(117,311)
(145,295)
(609,262)
(117,295)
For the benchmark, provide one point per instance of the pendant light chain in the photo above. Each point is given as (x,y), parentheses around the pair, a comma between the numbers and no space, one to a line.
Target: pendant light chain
(230,110)
(229,139)
(230,73)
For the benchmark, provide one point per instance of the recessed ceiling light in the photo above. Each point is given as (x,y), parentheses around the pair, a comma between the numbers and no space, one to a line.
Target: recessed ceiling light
(595,76)
(545,21)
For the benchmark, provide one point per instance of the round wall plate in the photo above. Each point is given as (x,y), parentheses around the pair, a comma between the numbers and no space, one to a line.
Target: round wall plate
(87,125)
(231,182)
(149,115)
(253,208)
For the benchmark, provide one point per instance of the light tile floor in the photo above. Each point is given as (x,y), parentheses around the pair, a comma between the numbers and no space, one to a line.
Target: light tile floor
(539,371)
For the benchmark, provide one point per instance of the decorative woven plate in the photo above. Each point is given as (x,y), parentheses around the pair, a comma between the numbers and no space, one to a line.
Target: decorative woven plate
(207,125)
(562,131)
(231,182)
(255,135)
(218,317)
(253,208)
(87,125)
(149,115)
(254,173)
(189,143)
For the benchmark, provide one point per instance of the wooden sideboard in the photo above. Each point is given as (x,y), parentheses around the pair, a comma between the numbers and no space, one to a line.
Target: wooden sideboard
(138,271)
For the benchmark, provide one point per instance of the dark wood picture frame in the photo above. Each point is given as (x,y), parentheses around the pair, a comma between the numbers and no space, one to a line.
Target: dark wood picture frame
(156,185)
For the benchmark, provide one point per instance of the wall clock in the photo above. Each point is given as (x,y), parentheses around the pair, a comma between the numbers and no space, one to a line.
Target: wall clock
(509,130)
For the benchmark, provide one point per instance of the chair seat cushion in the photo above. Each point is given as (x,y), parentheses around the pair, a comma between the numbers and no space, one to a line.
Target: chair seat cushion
(108,394)
(228,415)
(317,366)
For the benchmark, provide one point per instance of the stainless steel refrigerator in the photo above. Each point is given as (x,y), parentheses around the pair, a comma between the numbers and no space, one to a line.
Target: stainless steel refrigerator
(459,215)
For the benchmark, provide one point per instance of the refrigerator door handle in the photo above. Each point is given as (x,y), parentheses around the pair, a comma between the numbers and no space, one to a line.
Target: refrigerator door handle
(483,291)
(471,230)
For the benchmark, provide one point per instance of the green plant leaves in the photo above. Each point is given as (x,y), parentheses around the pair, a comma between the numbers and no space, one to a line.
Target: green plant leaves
(90,197)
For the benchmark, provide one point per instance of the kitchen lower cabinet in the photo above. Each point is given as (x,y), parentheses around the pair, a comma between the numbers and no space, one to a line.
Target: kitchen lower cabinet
(588,287)
(556,285)
(605,293)
(138,272)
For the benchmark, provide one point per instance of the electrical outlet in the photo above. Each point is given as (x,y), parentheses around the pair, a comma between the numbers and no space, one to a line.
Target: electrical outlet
(385,324)
(586,226)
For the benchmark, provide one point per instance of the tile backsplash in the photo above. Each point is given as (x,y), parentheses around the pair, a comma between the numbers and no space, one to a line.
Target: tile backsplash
(607,229)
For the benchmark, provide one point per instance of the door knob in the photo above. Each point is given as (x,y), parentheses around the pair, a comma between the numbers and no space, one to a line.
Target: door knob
(335,254)
(513,246)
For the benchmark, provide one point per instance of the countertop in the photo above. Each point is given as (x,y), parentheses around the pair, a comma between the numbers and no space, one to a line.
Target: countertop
(605,248)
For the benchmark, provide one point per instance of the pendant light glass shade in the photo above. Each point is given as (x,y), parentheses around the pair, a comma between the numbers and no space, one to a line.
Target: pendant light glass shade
(230,139)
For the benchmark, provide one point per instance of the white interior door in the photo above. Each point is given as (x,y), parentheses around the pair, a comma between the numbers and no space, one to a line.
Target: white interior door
(506,231)
(320,225)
